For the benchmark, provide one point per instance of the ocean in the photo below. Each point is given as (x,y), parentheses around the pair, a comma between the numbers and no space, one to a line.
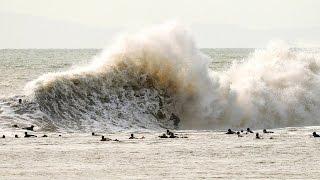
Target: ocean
(149,82)
(159,79)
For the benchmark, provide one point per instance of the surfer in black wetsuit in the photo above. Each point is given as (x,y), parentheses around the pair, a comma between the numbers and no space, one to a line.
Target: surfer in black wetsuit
(175,119)
(16,136)
(132,137)
(94,134)
(26,135)
(265,131)
(249,130)
(3,136)
(29,128)
(168,132)
(172,135)
(20,101)
(230,132)
(103,138)
(258,136)
(163,136)
(314,134)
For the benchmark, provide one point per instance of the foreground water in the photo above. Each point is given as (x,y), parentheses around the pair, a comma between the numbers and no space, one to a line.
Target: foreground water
(291,154)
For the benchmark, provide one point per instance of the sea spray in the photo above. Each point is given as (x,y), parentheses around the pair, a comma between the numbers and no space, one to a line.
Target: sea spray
(274,87)
(137,83)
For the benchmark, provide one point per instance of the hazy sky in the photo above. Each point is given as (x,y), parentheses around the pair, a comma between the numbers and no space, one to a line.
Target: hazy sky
(214,23)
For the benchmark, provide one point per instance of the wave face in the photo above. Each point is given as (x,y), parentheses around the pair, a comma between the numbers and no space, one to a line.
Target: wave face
(143,79)
(137,83)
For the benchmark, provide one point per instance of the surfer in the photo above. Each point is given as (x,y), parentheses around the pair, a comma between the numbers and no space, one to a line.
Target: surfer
(163,136)
(132,137)
(94,134)
(230,132)
(104,139)
(16,136)
(314,134)
(172,135)
(3,136)
(258,136)
(29,128)
(15,126)
(249,130)
(26,135)
(168,132)
(265,131)
(20,101)
(44,135)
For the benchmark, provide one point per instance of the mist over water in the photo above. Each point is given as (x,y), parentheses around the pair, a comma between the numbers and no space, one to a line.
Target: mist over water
(142,79)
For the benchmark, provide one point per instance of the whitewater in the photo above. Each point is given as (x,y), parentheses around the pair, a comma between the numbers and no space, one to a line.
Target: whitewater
(142,79)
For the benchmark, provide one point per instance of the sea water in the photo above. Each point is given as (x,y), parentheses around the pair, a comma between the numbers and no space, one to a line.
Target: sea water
(141,80)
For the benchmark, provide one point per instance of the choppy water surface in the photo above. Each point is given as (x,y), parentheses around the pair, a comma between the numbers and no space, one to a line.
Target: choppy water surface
(18,66)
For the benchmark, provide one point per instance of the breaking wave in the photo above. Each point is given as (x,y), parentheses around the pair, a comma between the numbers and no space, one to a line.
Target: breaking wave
(143,79)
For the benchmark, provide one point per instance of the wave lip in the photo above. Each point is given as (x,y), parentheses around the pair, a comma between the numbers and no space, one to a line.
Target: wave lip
(137,83)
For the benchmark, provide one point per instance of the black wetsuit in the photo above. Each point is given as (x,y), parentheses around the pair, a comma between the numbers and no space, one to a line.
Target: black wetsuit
(258,136)
(163,136)
(249,130)
(103,138)
(173,136)
(315,135)
(29,135)
(230,132)
(265,131)
(132,137)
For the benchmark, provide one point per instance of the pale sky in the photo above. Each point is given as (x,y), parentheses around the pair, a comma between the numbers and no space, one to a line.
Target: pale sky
(214,23)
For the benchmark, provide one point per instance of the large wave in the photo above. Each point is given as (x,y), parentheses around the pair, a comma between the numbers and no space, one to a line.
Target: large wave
(143,79)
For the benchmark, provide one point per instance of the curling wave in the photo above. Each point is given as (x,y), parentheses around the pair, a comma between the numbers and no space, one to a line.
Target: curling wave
(143,79)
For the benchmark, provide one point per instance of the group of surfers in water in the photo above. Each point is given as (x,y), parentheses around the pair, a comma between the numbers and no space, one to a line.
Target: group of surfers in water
(26,134)
(168,134)
(240,133)
(249,131)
